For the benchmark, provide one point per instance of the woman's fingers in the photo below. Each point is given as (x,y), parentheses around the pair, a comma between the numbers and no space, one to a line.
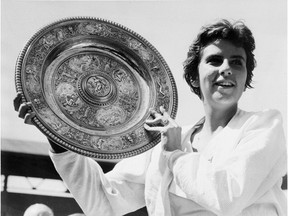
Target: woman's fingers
(28,118)
(170,131)
(155,114)
(17,101)
(24,109)
(154,121)
(25,113)
(158,117)
(159,121)
(162,110)
(154,128)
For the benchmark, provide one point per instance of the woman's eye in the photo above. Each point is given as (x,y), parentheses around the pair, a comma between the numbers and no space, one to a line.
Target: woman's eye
(215,61)
(236,62)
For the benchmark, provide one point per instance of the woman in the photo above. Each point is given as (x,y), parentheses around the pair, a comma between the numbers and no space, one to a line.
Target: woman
(230,163)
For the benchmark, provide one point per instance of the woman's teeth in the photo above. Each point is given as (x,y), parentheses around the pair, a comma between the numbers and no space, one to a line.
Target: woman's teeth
(225,84)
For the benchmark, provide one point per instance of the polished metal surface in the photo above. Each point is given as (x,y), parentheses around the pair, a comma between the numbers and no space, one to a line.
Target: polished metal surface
(92,83)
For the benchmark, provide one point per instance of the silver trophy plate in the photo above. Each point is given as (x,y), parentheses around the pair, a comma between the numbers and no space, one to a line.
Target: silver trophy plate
(92,83)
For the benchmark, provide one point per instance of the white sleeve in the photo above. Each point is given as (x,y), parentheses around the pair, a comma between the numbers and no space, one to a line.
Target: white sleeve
(115,193)
(250,170)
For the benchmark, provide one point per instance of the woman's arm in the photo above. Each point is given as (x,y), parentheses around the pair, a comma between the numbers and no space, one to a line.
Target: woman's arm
(116,193)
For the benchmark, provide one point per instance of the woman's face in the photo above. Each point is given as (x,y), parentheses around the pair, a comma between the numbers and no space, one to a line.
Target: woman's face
(222,74)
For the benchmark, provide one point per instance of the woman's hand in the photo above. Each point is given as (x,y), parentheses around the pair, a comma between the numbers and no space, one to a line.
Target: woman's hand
(25,112)
(23,109)
(169,129)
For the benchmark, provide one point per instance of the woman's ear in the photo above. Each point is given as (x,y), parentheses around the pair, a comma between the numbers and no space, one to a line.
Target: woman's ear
(195,83)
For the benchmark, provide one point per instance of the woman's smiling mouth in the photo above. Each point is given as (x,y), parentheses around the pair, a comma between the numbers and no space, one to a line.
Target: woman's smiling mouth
(225,83)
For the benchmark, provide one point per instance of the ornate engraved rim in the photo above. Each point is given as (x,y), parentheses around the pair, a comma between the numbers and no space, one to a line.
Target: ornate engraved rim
(51,135)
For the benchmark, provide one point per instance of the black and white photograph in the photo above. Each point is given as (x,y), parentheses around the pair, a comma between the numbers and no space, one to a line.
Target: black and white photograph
(142,107)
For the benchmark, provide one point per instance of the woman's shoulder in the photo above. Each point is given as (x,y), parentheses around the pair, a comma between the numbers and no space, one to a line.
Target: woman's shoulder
(267,119)
(262,115)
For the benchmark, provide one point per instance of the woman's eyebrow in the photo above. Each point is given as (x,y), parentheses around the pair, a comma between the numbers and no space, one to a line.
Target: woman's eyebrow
(213,56)
(239,57)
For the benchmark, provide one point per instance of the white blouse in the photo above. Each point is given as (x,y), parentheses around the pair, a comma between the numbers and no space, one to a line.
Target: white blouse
(239,173)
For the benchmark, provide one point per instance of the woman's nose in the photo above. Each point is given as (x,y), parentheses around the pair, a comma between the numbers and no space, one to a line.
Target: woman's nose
(226,73)
(225,69)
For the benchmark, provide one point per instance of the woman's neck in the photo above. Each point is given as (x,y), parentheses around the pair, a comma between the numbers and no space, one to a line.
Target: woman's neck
(216,119)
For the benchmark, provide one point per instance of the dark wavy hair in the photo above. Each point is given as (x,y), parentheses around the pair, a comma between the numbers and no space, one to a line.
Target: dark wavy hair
(237,33)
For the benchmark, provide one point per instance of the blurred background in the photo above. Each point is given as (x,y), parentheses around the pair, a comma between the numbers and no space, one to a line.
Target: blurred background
(170,26)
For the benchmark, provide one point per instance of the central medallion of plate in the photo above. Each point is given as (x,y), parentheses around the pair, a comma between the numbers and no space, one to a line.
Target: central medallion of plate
(97,87)
(96,91)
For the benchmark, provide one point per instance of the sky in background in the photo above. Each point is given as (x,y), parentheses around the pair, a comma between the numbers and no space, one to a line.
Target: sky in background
(170,26)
